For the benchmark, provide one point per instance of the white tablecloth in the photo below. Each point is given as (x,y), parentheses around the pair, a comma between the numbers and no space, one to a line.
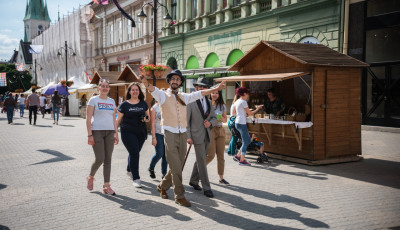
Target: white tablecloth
(300,125)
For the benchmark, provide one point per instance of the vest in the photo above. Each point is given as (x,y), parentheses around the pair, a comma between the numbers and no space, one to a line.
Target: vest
(173,114)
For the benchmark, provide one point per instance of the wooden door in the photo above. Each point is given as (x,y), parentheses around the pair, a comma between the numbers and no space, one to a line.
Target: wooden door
(338,114)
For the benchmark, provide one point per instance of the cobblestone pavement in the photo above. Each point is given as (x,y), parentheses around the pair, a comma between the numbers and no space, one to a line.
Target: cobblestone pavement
(43,186)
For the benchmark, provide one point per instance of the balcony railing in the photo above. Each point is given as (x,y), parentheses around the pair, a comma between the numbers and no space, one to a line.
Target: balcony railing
(265,5)
(236,13)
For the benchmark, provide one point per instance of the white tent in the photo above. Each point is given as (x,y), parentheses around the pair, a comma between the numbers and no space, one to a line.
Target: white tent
(43,89)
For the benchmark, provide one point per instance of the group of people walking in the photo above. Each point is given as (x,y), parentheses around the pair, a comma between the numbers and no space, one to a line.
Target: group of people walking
(177,119)
(33,103)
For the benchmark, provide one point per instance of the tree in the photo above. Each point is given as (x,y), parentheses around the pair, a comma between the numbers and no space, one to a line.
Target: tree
(15,79)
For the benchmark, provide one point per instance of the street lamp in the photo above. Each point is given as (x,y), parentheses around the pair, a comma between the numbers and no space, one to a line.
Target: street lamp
(66,48)
(41,68)
(154,6)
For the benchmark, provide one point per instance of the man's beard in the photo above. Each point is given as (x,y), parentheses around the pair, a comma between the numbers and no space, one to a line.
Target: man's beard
(174,86)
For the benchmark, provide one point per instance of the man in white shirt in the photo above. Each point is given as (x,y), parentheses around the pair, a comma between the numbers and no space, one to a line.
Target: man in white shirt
(174,123)
(42,99)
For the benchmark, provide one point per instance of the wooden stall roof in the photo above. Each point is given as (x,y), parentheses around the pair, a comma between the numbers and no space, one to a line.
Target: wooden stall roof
(264,77)
(111,76)
(308,54)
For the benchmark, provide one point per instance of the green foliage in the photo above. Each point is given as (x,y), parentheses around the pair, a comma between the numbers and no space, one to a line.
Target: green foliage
(15,79)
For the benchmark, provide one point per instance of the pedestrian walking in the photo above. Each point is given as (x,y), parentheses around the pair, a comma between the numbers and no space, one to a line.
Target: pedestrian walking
(217,145)
(10,104)
(42,99)
(132,117)
(234,139)
(16,102)
(102,134)
(174,123)
(201,119)
(33,103)
(56,101)
(242,110)
(1,102)
(21,104)
(157,141)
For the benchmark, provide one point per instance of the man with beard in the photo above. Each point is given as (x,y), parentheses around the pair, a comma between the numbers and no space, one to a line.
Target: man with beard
(174,124)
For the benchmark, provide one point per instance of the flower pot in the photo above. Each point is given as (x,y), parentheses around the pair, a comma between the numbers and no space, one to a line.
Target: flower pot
(148,72)
(159,73)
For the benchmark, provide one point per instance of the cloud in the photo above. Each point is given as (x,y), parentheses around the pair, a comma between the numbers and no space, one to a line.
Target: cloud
(7,46)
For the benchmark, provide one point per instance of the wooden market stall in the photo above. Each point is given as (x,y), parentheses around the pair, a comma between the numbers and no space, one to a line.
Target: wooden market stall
(332,133)
(117,87)
(130,74)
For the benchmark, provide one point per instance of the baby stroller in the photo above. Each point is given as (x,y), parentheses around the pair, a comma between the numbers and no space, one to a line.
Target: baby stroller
(254,146)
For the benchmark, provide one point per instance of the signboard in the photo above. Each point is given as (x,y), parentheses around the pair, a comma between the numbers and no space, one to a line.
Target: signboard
(19,67)
(3,79)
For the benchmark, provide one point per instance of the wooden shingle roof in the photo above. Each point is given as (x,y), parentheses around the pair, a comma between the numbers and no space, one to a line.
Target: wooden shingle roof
(309,54)
(111,76)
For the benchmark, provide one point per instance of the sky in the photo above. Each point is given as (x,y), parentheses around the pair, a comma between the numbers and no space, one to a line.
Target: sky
(12,24)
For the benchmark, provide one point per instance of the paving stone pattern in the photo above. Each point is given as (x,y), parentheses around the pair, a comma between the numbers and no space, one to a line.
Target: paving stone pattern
(43,186)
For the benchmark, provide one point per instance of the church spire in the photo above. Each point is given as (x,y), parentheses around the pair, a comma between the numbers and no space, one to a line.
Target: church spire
(36,9)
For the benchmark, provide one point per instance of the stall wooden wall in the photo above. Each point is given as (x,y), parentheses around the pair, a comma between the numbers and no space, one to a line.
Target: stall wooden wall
(336,112)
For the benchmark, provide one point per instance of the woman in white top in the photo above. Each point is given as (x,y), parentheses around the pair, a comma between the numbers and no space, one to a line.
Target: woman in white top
(242,110)
(102,133)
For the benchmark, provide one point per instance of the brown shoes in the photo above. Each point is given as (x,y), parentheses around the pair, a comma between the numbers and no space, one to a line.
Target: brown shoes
(163,193)
(183,202)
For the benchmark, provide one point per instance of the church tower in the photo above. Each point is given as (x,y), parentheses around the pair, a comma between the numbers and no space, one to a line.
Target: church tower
(36,19)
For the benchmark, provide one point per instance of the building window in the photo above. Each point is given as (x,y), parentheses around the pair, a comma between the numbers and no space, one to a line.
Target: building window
(194,8)
(99,38)
(173,10)
(214,4)
(152,22)
(119,31)
(236,2)
(139,28)
(129,29)
(111,35)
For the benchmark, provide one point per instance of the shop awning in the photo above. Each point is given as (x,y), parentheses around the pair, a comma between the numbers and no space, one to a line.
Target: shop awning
(188,72)
(264,77)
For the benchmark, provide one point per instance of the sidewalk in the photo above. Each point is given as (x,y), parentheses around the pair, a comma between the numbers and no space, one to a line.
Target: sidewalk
(43,186)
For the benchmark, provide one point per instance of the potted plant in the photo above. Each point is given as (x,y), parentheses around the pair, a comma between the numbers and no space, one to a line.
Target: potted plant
(159,70)
(148,69)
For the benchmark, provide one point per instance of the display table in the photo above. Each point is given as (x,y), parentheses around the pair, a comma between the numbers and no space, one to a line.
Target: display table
(295,127)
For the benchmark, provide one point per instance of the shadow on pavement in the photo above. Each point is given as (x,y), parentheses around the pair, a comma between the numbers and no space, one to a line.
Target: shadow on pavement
(256,208)
(2,227)
(371,170)
(58,156)
(270,196)
(17,123)
(67,125)
(145,207)
(2,186)
(43,126)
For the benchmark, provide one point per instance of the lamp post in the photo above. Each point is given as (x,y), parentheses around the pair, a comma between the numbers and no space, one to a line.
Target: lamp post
(154,6)
(66,48)
(41,68)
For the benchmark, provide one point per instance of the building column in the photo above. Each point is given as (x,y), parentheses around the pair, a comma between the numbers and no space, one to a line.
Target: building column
(274,4)
(198,19)
(228,11)
(207,8)
(245,9)
(255,7)
(186,26)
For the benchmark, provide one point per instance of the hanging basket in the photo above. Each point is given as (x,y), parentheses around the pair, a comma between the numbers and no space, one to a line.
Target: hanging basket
(159,73)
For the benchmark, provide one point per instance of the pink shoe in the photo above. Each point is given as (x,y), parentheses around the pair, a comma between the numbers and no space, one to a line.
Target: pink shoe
(90,180)
(107,190)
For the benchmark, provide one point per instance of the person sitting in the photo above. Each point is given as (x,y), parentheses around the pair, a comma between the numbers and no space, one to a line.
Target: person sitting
(273,104)
(255,143)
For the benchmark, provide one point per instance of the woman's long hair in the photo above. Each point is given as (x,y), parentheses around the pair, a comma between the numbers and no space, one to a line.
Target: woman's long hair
(56,96)
(220,101)
(128,91)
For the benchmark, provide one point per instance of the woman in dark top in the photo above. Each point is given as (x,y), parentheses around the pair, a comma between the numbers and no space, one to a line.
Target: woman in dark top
(56,101)
(273,104)
(132,117)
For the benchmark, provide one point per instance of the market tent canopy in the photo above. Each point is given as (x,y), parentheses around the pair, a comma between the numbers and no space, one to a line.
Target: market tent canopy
(264,77)
(278,56)
(188,72)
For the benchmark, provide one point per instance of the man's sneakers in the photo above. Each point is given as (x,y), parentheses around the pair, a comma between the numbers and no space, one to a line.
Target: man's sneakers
(195,186)
(152,174)
(163,193)
(223,182)
(244,163)
(236,158)
(137,183)
(209,193)
(183,202)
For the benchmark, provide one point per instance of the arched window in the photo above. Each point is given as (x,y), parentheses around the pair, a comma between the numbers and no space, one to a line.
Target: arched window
(172,63)
(234,56)
(192,63)
(212,60)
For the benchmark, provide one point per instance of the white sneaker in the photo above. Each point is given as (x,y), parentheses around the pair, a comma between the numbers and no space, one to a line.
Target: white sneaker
(129,175)
(137,183)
